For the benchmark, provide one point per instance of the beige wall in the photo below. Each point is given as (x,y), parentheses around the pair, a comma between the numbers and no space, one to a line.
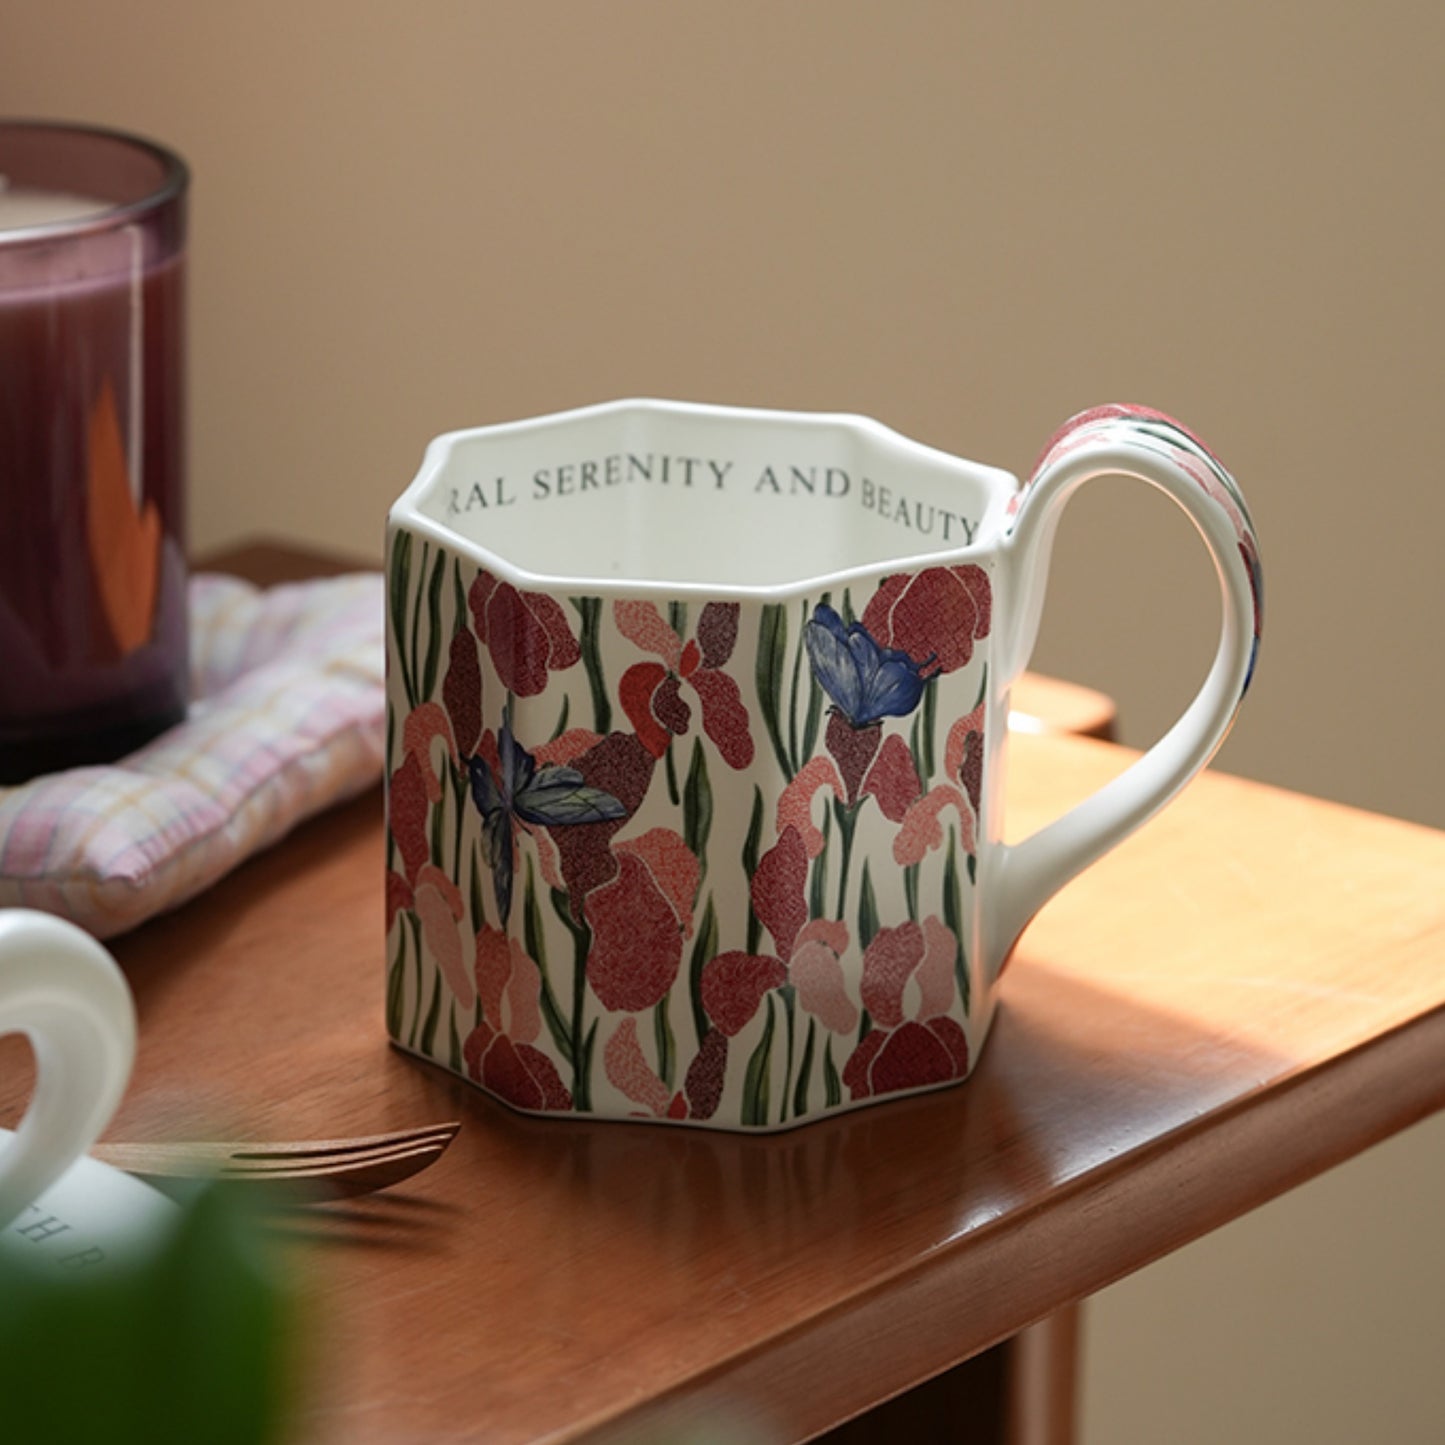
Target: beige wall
(967,220)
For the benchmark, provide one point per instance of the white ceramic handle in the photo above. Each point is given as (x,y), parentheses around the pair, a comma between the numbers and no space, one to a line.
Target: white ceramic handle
(1135,442)
(59,986)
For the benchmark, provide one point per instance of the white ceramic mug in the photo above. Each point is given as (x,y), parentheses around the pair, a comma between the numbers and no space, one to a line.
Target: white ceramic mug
(697,743)
(63,989)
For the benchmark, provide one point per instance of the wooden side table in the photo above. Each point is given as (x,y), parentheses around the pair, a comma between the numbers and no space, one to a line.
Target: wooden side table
(1244,994)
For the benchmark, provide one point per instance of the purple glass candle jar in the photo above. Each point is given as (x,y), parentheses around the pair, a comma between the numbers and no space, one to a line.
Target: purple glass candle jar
(93,637)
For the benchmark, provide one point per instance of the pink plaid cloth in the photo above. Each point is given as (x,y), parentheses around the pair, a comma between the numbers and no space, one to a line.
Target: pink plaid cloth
(288,715)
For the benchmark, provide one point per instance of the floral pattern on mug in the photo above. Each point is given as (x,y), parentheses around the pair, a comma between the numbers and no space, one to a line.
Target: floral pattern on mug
(917,1042)
(511,789)
(651,693)
(729,854)
(866,681)
(526,633)
(1157,431)
(564,929)
(935,615)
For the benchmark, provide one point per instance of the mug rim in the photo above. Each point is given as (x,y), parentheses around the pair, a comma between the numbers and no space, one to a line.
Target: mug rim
(1000,486)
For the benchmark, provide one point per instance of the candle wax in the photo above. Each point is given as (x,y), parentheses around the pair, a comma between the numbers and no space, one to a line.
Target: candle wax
(26,206)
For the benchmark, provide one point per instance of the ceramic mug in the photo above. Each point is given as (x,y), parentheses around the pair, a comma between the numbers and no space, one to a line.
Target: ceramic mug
(63,989)
(697,731)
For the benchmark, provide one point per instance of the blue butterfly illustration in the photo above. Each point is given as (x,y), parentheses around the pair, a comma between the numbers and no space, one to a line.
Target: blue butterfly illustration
(866,681)
(550,797)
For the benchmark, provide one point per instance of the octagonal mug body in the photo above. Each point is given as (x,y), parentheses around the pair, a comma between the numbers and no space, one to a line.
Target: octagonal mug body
(697,728)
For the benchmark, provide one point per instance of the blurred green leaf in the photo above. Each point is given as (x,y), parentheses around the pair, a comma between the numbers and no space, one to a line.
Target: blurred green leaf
(190,1339)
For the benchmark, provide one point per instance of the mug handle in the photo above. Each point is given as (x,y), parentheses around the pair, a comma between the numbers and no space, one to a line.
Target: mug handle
(63,989)
(1136,442)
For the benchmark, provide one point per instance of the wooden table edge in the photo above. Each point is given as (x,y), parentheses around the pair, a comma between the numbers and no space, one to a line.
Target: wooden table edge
(1369,1092)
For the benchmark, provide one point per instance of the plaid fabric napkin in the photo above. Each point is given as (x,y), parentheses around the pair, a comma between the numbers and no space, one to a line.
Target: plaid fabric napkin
(287,717)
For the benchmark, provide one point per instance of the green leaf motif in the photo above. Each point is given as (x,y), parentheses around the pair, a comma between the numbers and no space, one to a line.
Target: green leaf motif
(459,598)
(789,995)
(757,1079)
(536,943)
(474,892)
(414,923)
(459,798)
(589,609)
(561,725)
(582,1080)
(396,987)
(814,719)
(816,700)
(581,1048)
(433,1018)
(704,948)
(772,647)
(868,920)
(398,587)
(415,653)
(805,1071)
(924,756)
(798,652)
(434,624)
(697,806)
(674,790)
(437,822)
(952,916)
(556,1024)
(666,1044)
(832,1084)
(910,889)
(818,874)
(752,845)
(847,819)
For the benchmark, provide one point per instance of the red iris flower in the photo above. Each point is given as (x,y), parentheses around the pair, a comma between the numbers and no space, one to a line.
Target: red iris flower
(651,692)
